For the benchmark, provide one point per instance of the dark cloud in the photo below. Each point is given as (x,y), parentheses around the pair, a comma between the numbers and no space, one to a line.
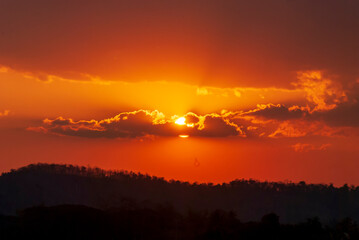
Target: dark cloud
(346,114)
(192,118)
(217,126)
(240,42)
(278,112)
(282,121)
(326,102)
(140,124)
(343,114)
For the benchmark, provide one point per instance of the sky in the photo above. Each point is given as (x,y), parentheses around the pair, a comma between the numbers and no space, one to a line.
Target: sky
(194,90)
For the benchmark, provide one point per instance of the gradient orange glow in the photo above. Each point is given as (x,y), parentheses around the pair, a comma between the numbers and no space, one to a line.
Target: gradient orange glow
(267,91)
(260,131)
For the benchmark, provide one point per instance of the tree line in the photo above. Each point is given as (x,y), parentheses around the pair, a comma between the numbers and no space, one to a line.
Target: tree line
(53,184)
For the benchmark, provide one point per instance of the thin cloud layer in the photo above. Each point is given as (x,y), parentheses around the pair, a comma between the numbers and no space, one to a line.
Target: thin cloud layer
(207,42)
(4,113)
(306,147)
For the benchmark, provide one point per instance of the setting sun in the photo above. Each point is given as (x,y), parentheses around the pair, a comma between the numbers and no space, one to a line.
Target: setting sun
(181,121)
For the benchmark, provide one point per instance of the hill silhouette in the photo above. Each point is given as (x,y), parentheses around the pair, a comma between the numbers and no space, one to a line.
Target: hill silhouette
(52,184)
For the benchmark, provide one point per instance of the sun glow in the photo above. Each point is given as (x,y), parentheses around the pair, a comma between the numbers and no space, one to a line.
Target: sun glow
(183,136)
(181,121)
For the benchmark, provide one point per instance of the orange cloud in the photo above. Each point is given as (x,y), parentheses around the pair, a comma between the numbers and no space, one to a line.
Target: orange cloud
(304,128)
(306,147)
(327,102)
(278,121)
(202,91)
(4,113)
(321,92)
(3,69)
(48,78)
(288,129)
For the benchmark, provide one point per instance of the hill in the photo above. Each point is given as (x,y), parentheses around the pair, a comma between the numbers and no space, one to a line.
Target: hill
(51,185)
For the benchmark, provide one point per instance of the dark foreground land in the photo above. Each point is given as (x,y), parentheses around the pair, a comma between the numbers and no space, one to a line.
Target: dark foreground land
(161,222)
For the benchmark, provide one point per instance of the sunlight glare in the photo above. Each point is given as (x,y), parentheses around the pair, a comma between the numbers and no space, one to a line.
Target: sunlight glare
(183,136)
(181,121)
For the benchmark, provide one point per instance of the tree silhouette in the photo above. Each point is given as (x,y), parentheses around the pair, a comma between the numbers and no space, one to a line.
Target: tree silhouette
(52,184)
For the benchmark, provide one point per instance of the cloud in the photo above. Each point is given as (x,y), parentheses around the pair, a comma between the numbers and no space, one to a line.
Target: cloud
(278,121)
(202,91)
(4,113)
(141,123)
(306,147)
(215,125)
(304,128)
(266,121)
(277,112)
(322,92)
(48,78)
(323,95)
(3,69)
(237,93)
(327,102)
(345,113)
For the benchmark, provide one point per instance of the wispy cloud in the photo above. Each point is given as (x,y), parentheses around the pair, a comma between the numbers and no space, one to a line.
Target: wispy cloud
(4,113)
(306,147)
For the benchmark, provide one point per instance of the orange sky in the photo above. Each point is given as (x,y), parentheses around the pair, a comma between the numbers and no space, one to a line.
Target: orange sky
(269,90)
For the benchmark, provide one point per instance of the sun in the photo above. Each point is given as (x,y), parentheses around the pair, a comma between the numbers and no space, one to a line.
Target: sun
(181,121)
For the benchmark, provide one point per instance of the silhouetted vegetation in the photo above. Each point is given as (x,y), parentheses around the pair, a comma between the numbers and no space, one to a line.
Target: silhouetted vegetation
(160,222)
(51,185)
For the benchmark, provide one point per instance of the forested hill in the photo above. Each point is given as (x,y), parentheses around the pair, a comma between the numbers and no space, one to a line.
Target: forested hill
(51,184)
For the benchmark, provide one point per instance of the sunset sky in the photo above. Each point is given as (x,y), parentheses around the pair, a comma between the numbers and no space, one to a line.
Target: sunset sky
(195,90)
